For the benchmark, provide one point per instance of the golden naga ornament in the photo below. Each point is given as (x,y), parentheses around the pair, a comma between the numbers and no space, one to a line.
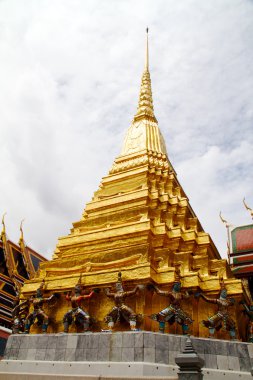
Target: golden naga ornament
(138,222)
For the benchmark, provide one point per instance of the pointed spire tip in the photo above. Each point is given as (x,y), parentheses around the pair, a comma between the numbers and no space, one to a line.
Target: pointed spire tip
(147,54)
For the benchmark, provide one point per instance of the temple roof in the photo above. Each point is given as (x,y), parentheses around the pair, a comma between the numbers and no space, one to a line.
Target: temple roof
(242,250)
(17,264)
(242,239)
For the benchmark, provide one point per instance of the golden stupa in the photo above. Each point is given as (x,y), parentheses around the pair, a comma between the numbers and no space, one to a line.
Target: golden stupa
(138,222)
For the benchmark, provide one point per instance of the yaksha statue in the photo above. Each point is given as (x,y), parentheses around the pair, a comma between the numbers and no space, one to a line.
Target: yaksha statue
(174,312)
(120,310)
(38,312)
(77,314)
(249,312)
(222,318)
(19,314)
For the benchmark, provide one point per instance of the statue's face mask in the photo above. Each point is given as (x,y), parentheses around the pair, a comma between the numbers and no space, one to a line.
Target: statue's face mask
(177,287)
(39,293)
(223,294)
(119,287)
(78,289)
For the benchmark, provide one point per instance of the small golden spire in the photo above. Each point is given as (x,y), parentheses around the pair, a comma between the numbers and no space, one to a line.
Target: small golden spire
(145,108)
(144,133)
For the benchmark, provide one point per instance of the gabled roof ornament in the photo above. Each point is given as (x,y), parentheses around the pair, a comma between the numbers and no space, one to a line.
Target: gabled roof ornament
(21,239)
(6,251)
(26,257)
(227,225)
(3,233)
(248,208)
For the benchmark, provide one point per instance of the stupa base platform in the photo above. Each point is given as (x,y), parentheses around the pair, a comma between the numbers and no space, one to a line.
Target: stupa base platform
(86,371)
(121,355)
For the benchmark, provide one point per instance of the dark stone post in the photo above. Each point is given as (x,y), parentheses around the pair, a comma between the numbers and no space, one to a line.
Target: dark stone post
(189,363)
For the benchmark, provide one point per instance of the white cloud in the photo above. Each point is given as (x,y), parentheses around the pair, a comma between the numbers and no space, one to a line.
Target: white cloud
(70,73)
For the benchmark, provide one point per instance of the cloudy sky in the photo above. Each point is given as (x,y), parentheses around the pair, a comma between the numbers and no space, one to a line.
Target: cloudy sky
(70,73)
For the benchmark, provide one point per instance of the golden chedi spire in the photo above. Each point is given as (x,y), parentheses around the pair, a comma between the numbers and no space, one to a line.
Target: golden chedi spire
(145,106)
(144,133)
(139,222)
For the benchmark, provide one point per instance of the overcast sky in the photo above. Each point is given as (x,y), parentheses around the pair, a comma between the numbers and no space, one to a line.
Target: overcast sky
(70,74)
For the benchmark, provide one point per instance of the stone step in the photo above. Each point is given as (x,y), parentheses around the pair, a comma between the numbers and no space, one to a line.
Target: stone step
(36,376)
(96,369)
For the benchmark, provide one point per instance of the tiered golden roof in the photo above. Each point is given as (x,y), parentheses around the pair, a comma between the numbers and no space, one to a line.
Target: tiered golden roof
(17,263)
